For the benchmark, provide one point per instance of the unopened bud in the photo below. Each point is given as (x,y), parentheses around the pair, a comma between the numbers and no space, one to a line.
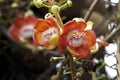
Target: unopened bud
(69,2)
(37,3)
(55,9)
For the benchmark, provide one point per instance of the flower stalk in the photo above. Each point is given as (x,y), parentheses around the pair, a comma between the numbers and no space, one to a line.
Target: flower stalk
(72,66)
(94,76)
(61,69)
(59,20)
(68,4)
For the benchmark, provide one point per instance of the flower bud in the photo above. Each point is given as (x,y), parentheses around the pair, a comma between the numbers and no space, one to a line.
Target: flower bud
(37,3)
(55,9)
(69,2)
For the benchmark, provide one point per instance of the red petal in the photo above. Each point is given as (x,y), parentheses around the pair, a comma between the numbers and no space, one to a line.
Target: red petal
(41,25)
(37,37)
(103,43)
(14,32)
(53,23)
(61,43)
(90,38)
(82,52)
(31,19)
(73,25)
(19,20)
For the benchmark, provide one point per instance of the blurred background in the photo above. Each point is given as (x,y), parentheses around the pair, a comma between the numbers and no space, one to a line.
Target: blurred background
(21,59)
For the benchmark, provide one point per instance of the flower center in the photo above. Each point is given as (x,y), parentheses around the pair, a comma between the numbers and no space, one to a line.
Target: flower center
(76,39)
(27,31)
(48,33)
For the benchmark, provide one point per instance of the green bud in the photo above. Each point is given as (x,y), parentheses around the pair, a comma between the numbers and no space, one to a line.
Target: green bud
(69,2)
(55,9)
(37,3)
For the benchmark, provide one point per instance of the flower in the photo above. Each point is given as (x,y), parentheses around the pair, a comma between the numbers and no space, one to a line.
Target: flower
(46,32)
(77,37)
(22,27)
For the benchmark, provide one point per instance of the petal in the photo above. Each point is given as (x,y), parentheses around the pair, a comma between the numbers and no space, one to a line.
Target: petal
(31,19)
(73,25)
(54,39)
(53,23)
(94,48)
(89,25)
(38,38)
(81,52)
(50,46)
(19,20)
(90,38)
(61,43)
(41,25)
(103,43)
(14,32)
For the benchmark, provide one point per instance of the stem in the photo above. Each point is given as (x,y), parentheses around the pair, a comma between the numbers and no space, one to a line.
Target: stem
(72,66)
(112,33)
(78,70)
(90,10)
(101,77)
(102,65)
(94,76)
(118,57)
(59,19)
(64,6)
(61,69)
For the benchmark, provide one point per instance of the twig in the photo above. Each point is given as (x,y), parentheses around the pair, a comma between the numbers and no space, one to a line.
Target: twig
(112,33)
(94,76)
(72,66)
(61,69)
(87,15)
(118,57)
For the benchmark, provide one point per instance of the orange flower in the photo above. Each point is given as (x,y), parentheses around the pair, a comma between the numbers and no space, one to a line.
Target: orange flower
(77,37)
(22,27)
(46,32)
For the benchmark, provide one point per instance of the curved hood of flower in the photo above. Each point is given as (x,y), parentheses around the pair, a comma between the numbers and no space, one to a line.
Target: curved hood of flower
(76,38)
(46,32)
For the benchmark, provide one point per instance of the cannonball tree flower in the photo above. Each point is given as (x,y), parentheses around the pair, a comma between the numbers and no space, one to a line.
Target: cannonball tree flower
(77,38)
(22,27)
(47,32)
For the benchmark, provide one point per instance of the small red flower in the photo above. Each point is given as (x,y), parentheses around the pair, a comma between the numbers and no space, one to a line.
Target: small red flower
(46,32)
(77,37)
(22,27)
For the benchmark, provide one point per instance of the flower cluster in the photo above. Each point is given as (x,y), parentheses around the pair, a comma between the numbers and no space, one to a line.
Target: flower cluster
(76,35)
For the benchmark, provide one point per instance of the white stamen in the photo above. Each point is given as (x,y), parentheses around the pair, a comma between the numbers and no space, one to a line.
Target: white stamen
(27,31)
